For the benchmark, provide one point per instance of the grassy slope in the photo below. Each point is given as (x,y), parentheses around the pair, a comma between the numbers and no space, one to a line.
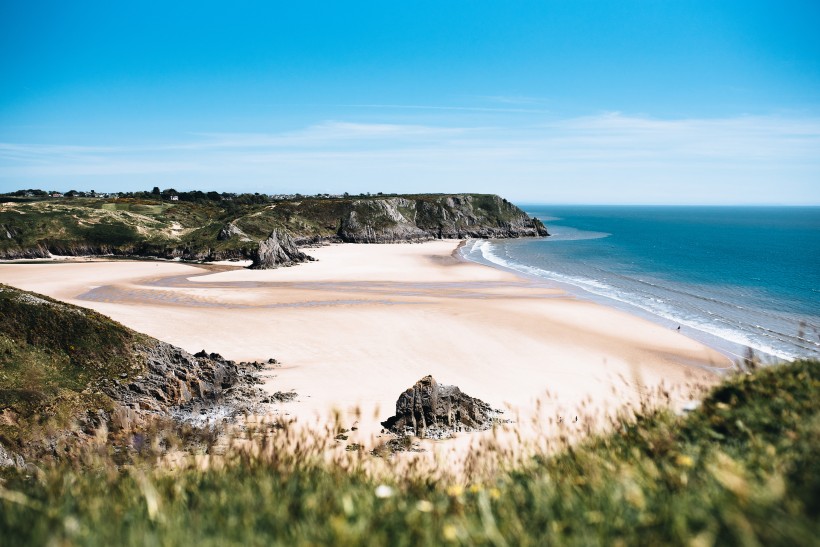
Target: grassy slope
(144,226)
(51,356)
(740,470)
(118,224)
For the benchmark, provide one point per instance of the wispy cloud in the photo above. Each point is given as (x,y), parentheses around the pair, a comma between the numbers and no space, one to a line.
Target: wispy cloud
(607,156)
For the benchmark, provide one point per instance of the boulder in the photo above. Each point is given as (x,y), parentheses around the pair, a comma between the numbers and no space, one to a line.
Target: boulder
(232,231)
(10,459)
(278,250)
(430,409)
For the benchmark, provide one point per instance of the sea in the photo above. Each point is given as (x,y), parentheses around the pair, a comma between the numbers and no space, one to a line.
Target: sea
(732,277)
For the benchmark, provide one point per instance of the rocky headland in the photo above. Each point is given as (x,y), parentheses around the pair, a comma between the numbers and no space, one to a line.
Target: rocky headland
(208,230)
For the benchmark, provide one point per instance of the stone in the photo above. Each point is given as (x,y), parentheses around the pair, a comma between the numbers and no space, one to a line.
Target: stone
(278,250)
(10,459)
(232,231)
(430,409)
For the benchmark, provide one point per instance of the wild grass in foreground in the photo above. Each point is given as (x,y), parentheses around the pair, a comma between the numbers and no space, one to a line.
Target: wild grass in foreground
(740,470)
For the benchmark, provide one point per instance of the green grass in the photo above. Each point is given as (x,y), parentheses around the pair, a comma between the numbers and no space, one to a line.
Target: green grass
(741,470)
(51,357)
(135,207)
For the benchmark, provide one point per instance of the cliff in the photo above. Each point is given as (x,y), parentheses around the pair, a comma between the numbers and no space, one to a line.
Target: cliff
(446,217)
(219,230)
(66,372)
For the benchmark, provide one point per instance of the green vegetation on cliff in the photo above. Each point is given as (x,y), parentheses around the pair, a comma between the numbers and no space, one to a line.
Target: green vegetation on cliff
(740,470)
(202,228)
(69,374)
(52,356)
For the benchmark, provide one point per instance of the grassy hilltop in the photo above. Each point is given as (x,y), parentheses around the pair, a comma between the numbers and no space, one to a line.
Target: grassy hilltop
(741,469)
(198,227)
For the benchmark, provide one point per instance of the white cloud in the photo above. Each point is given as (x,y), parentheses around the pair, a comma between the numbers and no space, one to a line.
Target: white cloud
(604,158)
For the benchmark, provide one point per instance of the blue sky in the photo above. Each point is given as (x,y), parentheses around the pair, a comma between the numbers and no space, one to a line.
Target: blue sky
(551,101)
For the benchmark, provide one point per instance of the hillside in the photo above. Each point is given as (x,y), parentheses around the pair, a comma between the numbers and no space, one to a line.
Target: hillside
(224,228)
(66,371)
(741,470)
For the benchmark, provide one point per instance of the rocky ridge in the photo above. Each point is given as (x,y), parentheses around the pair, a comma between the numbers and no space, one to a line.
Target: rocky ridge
(278,250)
(175,382)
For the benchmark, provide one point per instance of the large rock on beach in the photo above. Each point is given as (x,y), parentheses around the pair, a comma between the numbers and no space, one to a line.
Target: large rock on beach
(430,409)
(278,250)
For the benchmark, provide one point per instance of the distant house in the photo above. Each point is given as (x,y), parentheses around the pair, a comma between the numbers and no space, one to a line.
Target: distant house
(56,195)
(174,198)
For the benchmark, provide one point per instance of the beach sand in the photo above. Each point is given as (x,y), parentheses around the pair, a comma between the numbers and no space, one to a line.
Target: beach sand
(364,322)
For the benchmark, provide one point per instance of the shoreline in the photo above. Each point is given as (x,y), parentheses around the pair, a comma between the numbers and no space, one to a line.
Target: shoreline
(734,351)
(364,322)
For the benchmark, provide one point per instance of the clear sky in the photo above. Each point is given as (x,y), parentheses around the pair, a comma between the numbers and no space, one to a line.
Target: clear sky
(570,101)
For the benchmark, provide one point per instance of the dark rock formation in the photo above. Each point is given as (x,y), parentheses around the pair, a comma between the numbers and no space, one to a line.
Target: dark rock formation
(175,381)
(281,397)
(429,409)
(278,250)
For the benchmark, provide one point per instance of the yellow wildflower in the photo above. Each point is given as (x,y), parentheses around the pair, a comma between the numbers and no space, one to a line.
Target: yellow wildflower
(684,460)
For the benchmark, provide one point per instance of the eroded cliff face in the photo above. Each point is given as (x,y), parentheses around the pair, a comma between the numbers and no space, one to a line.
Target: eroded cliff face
(278,250)
(397,219)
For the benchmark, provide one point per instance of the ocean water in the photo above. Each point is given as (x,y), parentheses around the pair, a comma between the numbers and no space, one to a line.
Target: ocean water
(733,277)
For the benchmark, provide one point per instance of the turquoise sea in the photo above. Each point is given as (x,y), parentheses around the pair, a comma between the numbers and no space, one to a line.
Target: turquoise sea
(733,277)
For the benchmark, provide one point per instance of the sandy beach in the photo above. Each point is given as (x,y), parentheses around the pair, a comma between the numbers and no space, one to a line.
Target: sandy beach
(364,322)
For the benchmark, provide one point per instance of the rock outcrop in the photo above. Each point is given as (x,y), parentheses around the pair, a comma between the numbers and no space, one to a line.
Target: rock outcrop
(430,409)
(10,459)
(174,378)
(117,381)
(232,231)
(398,219)
(278,250)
